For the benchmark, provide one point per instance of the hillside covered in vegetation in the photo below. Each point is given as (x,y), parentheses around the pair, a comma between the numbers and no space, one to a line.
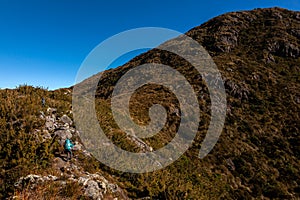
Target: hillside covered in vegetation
(257,155)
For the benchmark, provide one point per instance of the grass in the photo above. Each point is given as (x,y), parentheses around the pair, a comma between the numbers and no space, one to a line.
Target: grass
(260,135)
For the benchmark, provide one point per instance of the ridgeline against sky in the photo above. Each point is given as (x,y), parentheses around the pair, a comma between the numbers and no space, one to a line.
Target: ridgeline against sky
(44,43)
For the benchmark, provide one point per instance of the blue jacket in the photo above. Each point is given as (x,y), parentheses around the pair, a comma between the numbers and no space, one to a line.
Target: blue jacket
(68,144)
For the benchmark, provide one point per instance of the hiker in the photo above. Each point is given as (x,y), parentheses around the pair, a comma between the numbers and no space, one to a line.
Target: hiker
(43,102)
(68,148)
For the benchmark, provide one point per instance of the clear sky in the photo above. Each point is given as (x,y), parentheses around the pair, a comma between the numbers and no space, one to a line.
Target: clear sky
(43,42)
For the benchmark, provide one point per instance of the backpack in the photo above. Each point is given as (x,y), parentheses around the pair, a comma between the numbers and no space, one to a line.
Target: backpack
(68,144)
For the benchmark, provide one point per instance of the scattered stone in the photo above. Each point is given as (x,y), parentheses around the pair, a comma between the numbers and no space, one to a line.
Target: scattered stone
(283,48)
(50,123)
(42,115)
(86,153)
(112,187)
(92,190)
(95,185)
(66,120)
(33,180)
(238,91)
(229,69)
(77,146)
(230,164)
(46,135)
(63,135)
(73,130)
(51,110)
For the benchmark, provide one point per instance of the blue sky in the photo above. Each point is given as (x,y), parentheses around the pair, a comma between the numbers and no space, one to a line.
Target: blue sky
(44,42)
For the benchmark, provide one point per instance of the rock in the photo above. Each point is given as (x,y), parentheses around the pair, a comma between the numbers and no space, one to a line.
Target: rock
(33,180)
(51,110)
(77,133)
(238,91)
(58,163)
(77,146)
(227,41)
(176,112)
(86,153)
(95,186)
(268,58)
(50,178)
(93,191)
(66,120)
(42,115)
(63,135)
(73,130)
(295,32)
(230,164)
(92,188)
(50,123)
(229,69)
(112,187)
(50,126)
(46,135)
(66,126)
(283,48)
(50,119)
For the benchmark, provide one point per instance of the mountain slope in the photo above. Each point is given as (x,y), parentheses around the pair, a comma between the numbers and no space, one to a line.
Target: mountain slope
(257,154)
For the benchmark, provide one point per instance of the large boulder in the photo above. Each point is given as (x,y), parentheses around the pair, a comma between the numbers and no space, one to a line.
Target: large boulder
(50,123)
(63,135)
(92,190)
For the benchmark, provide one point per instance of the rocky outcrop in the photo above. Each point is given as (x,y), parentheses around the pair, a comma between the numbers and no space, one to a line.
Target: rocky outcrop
(94,186)
(33,180)
(60,127)
(238,91)
(66,120)
(283,48)
(275,30)
(50,122)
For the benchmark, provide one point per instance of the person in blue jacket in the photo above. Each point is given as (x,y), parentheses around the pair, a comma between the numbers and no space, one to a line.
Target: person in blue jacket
(68,148)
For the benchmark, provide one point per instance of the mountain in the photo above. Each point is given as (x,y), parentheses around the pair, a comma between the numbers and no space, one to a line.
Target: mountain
(257,154)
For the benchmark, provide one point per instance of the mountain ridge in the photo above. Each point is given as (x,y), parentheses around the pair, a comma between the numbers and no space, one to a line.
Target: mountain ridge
(257,53)
(256,157)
